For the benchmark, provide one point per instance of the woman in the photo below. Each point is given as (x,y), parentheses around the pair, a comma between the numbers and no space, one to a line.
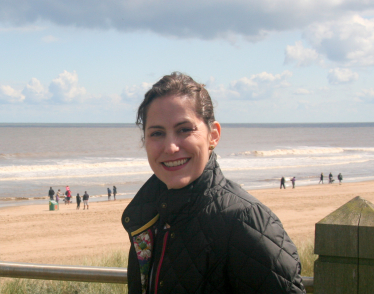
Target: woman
(192,230)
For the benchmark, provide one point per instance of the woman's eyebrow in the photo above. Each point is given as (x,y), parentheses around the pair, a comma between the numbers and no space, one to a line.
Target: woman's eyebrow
(181,123)
(155,127)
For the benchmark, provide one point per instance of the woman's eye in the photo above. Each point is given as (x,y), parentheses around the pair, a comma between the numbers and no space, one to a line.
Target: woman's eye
(156,134)
(185,130)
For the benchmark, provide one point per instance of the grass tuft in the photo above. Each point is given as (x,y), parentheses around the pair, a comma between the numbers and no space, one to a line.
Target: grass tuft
(307,257)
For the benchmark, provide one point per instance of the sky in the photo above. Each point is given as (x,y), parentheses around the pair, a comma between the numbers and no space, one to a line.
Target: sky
(262,61)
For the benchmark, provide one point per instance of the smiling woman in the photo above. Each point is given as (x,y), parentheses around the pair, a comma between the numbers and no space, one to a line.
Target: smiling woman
(191,229)
(177,141)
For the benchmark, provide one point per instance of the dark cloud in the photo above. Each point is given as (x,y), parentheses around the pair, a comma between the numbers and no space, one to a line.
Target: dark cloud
(182,19)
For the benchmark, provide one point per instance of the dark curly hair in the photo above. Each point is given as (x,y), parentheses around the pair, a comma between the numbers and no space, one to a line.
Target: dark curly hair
(180,85)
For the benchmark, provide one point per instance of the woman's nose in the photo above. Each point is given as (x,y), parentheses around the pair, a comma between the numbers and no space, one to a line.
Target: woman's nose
(171,145)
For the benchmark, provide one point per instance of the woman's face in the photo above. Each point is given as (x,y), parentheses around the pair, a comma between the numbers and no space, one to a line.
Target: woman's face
(177,141)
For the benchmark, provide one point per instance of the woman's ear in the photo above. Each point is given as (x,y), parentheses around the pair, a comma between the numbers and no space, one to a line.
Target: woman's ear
(215,134)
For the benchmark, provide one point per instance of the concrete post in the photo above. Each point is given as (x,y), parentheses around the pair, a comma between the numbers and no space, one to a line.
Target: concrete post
(344,241)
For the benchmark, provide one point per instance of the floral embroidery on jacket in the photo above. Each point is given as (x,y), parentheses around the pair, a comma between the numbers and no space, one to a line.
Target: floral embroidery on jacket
(143,246)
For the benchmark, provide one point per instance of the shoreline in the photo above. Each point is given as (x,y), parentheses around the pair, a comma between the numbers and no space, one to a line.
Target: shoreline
(32,233)
(7,203)
(42,200)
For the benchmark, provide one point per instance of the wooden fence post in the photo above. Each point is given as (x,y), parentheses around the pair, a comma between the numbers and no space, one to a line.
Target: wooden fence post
(344,241)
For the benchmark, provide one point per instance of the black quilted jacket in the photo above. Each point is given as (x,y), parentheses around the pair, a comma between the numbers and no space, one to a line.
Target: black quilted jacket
(208,237)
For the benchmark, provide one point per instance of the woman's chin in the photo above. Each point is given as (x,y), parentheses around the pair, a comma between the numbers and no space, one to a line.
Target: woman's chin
(178,183)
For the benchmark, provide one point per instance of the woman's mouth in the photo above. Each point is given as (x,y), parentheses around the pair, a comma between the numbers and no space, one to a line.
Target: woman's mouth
(175,164)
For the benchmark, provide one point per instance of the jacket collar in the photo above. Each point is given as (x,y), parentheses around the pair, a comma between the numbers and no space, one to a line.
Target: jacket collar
(174,206)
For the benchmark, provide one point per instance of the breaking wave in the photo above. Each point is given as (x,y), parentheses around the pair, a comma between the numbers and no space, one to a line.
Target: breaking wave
(293,166)
(301,151)
(72,166)
(298,151)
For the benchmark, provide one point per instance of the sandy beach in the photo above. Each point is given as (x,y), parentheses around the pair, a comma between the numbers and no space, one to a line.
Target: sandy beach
(36,235)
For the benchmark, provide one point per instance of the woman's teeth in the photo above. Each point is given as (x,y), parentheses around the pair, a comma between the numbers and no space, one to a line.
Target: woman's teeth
(175,163)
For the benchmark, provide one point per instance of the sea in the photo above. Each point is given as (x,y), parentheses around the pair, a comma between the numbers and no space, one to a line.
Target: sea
(93,157)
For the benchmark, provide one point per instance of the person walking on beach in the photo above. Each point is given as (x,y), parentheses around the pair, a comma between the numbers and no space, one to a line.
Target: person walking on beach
(58,196)
(293,180)
(85,199)
(109,193)
(78,201)
(114,192)
(330,178)
(321,179)
(340,178)
(283,180)
(51,193)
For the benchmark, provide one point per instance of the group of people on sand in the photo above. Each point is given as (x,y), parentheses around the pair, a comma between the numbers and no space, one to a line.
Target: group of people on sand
(283,182)
(293,180)
(68,196)
(85,200)
(331,178)
(114,192)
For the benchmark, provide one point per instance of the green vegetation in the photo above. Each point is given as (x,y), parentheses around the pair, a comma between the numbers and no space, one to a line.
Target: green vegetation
(116,258)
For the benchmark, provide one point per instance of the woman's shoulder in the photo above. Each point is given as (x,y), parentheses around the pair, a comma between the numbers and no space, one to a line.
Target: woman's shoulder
(237,204)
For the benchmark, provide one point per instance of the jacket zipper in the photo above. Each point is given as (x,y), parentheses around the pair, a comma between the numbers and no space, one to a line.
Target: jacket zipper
(161,260)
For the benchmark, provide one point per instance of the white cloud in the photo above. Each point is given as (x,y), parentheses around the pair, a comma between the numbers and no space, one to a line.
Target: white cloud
(348,41)
(203,19)
(256,87)
(65,88)
(49,39)
(135,93)
(366,95)
(35,92)
(10,95)
(302,91)
(341,76)
(303,56)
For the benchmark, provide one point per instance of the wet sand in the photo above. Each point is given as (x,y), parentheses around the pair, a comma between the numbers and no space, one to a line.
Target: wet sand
(34,234)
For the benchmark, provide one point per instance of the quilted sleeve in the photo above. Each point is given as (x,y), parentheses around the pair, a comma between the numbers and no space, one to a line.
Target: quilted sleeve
(262,258)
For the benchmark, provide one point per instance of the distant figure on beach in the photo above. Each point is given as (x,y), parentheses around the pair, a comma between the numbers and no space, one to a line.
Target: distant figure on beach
(51,193)
(58,196)
(331,178)
(321,179)
(340,178)
(109,194)
(68,196)
(85,199)
(114,192)
(78,201)
(283,180)
(293,180)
